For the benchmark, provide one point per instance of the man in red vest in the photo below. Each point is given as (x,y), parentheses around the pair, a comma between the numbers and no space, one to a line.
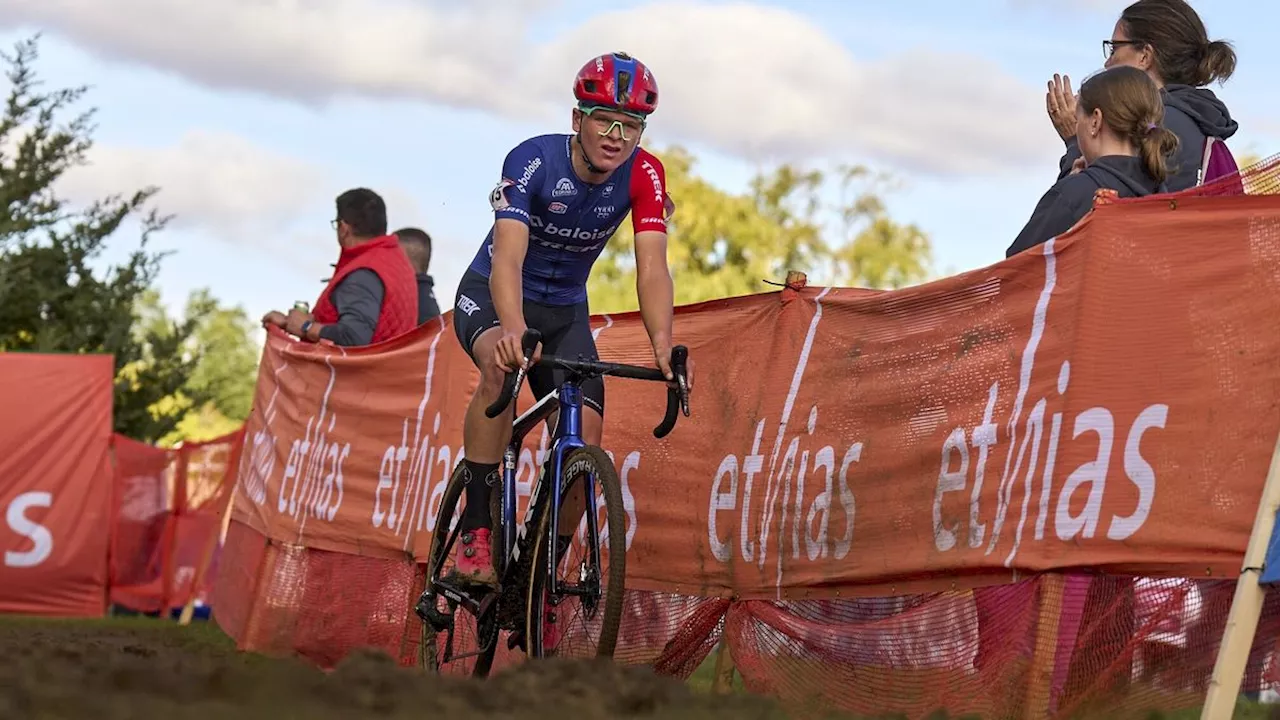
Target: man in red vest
(373,294)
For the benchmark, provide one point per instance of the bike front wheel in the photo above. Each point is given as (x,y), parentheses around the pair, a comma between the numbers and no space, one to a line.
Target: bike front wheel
(582,618)
(480,631)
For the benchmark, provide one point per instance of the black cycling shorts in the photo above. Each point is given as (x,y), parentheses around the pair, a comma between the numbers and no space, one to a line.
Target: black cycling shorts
(566,331)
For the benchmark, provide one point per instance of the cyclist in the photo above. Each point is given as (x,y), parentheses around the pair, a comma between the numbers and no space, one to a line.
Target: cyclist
(560,199)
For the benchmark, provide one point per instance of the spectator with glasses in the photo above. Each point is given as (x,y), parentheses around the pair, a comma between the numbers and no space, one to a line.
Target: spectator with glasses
(373,295)
(1167,40)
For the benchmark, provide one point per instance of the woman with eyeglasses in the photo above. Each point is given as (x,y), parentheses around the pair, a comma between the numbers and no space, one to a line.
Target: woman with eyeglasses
(1119,129)
(1167,40)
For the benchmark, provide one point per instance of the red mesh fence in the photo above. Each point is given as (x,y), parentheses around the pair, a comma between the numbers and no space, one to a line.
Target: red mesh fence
(142,500)
(169,520)
(1056,646)
(1086,644)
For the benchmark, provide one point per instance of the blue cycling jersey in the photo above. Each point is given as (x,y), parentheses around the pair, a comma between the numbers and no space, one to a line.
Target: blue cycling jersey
(569,220)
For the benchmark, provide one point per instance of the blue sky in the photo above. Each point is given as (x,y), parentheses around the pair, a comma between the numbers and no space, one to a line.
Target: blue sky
(253,114)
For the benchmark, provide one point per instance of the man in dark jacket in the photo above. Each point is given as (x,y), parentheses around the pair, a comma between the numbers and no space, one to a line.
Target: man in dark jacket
(417,246)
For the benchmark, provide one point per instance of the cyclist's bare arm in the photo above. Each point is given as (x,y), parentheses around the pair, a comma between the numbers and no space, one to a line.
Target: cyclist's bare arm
(655,292)
(651,208)
(510,243)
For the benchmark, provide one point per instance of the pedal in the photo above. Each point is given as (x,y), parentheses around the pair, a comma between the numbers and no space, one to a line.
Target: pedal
(516,640)
(448,646)
(428,613)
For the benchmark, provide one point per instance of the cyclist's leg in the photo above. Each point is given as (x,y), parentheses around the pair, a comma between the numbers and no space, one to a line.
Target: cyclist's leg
(576,341)
(476,324)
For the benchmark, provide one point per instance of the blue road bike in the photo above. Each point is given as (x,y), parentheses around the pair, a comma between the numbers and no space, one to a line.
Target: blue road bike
(531,587)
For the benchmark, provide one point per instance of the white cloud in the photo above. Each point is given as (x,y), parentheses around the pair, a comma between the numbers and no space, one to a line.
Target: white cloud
(212,181)
(308,51)
(1100,7)
(755,81)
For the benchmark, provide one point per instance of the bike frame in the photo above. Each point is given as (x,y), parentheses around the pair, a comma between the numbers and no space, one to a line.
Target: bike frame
(566,438)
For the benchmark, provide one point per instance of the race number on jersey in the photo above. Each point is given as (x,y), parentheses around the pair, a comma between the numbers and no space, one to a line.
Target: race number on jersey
(498,198)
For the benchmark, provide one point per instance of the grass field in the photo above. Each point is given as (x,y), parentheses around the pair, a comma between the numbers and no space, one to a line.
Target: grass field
(137,667)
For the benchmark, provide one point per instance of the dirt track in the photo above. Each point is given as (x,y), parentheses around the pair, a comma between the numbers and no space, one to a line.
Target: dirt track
(145,669)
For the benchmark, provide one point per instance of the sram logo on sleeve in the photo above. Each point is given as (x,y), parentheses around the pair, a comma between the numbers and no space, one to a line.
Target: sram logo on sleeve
(498,198)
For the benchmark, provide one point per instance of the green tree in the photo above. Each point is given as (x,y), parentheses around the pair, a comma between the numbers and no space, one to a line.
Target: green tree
(874,251)
(225,374)
(51,297)
(159,371)
(218,344)
(725,244)
(228,368)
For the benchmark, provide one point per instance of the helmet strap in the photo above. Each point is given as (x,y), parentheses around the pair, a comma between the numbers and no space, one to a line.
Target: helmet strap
(585,157)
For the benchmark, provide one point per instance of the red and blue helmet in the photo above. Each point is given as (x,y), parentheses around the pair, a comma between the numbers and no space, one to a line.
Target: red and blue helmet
(618,82)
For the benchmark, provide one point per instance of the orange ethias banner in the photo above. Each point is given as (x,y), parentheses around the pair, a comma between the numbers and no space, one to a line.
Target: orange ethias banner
(55,483)
(1109,400)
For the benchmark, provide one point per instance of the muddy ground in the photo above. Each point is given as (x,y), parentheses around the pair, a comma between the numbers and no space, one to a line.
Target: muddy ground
(142,668)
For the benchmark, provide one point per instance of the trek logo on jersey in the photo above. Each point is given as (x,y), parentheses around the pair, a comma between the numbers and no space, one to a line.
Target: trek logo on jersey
(570,248)
(606,211)
(558,208)
(653,177)
(564,188)
(568,232)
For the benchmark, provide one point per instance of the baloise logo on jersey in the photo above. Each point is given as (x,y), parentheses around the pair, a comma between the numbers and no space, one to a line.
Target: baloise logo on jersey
(548,229)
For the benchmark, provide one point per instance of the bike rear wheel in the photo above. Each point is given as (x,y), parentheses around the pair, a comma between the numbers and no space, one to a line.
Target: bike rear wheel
(486,626)
(558,624)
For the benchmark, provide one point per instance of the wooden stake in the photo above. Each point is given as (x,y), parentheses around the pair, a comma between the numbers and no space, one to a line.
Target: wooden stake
(723,682)
(1045,655)
(1246,606)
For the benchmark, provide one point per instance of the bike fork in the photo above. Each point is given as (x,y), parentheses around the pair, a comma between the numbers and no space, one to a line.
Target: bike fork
(508,519)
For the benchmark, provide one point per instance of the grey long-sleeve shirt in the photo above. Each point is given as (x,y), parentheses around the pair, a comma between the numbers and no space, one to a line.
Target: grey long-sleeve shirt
(358,298)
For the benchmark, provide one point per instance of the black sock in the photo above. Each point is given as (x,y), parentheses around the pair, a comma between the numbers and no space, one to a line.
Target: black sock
(481,477)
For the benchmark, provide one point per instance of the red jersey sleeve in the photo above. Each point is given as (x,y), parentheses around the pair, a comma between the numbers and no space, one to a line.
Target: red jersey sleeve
(650,204)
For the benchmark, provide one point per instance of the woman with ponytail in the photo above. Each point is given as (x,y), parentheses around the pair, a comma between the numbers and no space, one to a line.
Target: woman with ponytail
(1167,40)
(1125,147)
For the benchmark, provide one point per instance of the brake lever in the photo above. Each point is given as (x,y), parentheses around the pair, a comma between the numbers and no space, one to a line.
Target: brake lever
(683,382)
(514,380)
(680,368)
